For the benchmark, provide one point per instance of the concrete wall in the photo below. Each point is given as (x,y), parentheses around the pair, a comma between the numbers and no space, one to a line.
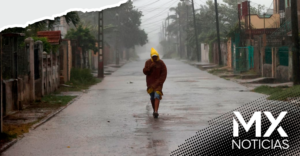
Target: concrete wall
(39,81)
(26,88)
(9,99)
(50,73)
(20,90)
(267,70)
(65,63)
(223,53)
(277,71)
(229,53)
(30,50)
(204,53)
(16,94)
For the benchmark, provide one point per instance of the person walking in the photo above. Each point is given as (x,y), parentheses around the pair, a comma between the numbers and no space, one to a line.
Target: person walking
(156,74)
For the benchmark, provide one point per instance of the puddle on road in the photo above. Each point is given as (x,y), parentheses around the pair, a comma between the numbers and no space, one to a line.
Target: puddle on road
(159,143)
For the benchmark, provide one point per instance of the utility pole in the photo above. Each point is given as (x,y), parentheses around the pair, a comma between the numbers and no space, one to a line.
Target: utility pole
(169,41)
(1,90)
(196,34)
(165,30)
(187,28)
(250,29)
(264,23)
(240,29)
(295,48)
(117,40)
(100,45)
(218,32)
(179,31)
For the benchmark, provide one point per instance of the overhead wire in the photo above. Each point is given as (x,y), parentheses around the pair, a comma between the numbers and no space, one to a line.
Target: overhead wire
(154,23)
(160,12)
(148,4)
(163,5)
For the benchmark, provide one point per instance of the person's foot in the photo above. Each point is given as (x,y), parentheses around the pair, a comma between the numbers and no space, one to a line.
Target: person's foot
(155,115)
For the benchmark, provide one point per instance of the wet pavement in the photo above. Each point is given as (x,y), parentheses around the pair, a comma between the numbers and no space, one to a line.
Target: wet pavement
(115,116)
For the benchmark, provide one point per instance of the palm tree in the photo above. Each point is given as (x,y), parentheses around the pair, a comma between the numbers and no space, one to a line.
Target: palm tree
(179,23)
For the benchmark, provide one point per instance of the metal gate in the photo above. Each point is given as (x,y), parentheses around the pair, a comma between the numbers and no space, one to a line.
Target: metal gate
(283,54)
(243,59)
(268,55)
(36,62)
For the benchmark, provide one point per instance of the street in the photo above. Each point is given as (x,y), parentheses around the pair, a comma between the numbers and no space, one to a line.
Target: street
(115,116)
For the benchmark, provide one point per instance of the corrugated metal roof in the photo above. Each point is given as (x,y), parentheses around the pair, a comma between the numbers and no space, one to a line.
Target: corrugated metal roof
(53,37)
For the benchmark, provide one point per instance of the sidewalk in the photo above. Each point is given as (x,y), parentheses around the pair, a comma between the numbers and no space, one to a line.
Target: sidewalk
(17,123)
(249,79)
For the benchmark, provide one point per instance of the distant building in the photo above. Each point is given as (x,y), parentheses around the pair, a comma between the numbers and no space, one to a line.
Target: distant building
(62,26)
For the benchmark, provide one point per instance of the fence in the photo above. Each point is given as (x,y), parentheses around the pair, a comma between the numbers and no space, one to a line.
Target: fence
(15,57)
(268,55)
(283,53)
(243,58)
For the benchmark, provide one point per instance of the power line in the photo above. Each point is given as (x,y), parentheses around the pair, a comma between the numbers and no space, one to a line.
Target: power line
(160,12)
(152,31)
(152,22)
(145,6)
(150,26)
(148,4)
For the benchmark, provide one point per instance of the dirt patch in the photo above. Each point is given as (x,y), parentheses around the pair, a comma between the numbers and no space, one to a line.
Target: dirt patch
(20,122)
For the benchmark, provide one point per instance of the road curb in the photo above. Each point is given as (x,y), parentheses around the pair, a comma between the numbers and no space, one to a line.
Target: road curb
(50,116)
(7,145)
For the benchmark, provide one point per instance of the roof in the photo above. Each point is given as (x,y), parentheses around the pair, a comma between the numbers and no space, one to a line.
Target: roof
(53,37)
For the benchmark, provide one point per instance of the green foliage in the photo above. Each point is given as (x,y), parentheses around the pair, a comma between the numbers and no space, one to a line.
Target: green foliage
(279,93)
(55,100)
(47,47)
(72,17)
(228,21)
(82,76)
(81,79)
(286,93)
(267,90)
(125,27)
(44,25)
(85,39)
(7,137)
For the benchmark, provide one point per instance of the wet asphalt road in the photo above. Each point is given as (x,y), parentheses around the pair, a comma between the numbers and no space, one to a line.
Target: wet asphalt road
(115,116)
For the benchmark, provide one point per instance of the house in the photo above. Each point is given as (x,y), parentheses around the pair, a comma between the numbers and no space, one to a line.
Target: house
(276,53)
(50,65)
(62,26)
(245,50)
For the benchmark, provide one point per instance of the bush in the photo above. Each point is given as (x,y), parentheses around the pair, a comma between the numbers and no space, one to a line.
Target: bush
(279,93)
(82,77)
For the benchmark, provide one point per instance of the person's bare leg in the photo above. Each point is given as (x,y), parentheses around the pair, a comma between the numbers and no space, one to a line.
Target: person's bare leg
(156,105)
(153,104)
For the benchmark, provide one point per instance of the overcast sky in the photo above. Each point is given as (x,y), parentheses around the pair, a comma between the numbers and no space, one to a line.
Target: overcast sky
(155,11)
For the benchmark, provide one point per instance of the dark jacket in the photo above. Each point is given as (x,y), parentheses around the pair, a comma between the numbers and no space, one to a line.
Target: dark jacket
(155,75)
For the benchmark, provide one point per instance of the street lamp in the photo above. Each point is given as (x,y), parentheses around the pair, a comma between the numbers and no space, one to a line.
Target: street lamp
(196,33)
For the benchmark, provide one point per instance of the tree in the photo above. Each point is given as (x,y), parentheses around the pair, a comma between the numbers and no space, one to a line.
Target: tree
(85,39)
(180,22)
(126,24)
(45,25)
